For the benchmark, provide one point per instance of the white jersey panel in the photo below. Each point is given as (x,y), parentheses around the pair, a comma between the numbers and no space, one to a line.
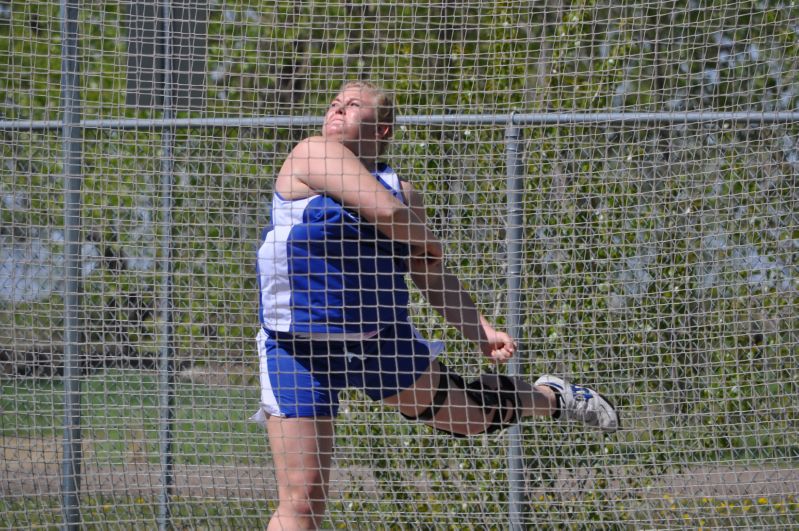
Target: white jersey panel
(273,264)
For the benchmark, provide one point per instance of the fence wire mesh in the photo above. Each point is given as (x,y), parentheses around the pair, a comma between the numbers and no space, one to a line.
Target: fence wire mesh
(658,254)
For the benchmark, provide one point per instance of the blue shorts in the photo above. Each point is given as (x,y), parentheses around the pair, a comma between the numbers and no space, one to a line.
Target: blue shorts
(302,377)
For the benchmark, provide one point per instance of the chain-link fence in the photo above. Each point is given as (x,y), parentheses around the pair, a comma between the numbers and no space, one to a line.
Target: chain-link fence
(615,183)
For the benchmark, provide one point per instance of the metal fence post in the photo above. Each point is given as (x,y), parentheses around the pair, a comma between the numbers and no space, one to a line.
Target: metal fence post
(515,235)
(166,360)
(72,134)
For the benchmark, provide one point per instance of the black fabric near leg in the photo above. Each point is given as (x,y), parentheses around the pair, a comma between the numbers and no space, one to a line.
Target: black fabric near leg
(505,401)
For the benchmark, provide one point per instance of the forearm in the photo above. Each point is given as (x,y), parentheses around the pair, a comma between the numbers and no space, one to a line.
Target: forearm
(402,224)
(446,294)
(327,167)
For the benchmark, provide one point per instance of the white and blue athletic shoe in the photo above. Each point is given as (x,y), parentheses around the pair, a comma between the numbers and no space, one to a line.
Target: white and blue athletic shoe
(582,404)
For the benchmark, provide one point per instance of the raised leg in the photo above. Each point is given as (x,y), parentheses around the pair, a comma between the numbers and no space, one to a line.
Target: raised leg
(443,400)
(458,412)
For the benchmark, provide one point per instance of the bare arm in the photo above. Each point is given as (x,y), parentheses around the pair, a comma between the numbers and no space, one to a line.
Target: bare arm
(320,166)
(445,292)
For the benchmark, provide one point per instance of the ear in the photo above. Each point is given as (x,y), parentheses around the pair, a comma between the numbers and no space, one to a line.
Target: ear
(384,131)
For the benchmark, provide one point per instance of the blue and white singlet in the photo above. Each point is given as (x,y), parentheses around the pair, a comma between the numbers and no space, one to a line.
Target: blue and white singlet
(325,273)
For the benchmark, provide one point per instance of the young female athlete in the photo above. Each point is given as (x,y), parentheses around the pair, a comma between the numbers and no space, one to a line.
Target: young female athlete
(333,308)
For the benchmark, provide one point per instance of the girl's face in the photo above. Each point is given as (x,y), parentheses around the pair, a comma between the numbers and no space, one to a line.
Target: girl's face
(352,118)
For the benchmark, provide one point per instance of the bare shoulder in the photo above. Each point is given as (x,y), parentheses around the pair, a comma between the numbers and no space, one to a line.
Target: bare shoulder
(309,149)
(304,146)
(290,181)
(319,146)
(316,165)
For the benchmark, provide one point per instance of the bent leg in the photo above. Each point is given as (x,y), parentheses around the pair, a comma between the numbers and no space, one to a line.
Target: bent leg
(302,450)
(458,412)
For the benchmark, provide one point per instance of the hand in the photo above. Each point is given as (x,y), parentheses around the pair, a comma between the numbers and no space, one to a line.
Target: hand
(498,346)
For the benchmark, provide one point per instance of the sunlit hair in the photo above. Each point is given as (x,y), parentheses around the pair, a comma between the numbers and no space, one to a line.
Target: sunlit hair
(384,102)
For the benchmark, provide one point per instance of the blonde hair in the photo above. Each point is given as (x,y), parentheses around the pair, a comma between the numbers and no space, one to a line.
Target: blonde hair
(384,102)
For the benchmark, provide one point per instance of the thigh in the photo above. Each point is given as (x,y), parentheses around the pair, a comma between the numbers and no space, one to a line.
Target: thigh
(302,451)
(396,360)
(456,414)
(290,386)
(419,395)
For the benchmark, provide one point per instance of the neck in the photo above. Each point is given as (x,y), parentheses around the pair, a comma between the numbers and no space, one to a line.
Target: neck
(370,163)
(366,153)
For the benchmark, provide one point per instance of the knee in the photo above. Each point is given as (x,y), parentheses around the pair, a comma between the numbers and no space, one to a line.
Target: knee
(299,510)
(302,503)
(300,506)
(494,406)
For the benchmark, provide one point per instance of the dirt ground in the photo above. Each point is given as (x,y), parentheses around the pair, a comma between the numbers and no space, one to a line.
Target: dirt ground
(32,467)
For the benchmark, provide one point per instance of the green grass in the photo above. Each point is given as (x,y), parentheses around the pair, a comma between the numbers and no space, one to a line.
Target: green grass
(129,513)
(120,414)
